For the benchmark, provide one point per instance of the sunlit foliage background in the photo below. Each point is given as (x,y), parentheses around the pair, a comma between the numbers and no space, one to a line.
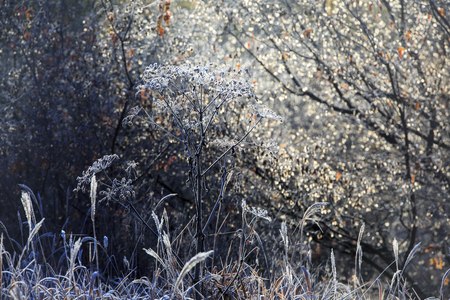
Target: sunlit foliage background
(362,87)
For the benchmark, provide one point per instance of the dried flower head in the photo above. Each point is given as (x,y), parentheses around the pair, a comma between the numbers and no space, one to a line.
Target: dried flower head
(96,167)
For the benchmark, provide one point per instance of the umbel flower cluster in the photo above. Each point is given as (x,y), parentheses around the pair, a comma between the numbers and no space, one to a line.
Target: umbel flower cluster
(193,97)
(203,89)
(218,81)
(98,166)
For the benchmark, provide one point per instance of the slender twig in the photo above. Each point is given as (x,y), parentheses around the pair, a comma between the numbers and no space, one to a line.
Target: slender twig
(220,197)
(232,147)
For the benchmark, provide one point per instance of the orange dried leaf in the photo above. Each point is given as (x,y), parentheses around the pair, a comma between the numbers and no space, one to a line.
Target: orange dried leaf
(160,31)
(441,11)
(338,176)
(29,13)
(408,35)
(413,178)
(417,105)
(167,5)
(400,51)
(167,18)
(440,264)
(27,36)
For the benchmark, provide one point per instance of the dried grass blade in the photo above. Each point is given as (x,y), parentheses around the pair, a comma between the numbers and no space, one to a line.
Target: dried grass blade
(333,268)
(34,231)
(358,256)
(28,208)
(380,290)
(410,256)
(395,248)
(394,277)
(441,293)
(157,223)
(73,254)
(93,196)
(306,278)
(284,236)
(275,287)
(164,198)
(155,255)
(192,263)
(91,284)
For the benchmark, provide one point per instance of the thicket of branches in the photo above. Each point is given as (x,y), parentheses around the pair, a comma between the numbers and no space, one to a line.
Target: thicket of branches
(373,80)
(362,88)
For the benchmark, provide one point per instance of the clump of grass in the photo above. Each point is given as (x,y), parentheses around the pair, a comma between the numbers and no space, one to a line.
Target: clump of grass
(23,276)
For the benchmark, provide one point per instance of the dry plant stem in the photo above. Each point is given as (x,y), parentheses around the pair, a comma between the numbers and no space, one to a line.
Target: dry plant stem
(217,229)
(199,235)
(1,259)
(151,164)
(241,258)
(136,213)
(95,251)
(232,147)
(219,199)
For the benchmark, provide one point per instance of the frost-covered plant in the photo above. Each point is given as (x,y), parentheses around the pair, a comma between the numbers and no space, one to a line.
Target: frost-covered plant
(192,105)
(211,111)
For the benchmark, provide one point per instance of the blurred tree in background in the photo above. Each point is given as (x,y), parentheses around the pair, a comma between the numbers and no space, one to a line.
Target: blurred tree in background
(362,87)
(68,73)
(365,87)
